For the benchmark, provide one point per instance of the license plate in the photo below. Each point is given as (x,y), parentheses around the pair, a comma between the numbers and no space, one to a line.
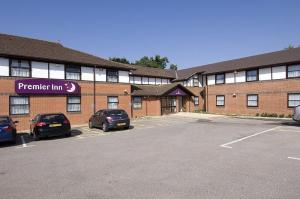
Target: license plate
(54,125)
(121,124)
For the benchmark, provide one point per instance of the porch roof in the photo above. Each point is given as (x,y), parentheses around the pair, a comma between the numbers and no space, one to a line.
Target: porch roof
(158,90)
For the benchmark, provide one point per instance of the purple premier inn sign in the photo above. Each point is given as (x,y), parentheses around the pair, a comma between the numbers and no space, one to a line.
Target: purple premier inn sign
(177,92)
(46,86)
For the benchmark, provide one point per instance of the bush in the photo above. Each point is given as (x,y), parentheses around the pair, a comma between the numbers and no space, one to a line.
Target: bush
(290,116)
(273,115)
(281,115)
(257,114)
(264,115)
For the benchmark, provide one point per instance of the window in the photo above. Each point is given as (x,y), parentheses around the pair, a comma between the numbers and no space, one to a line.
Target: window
(196,101)
(137,103)
(220,100)
(158,81)
(131,78)
(137,80)
(252,100)
(251,75)
(73,72)
(19,105)
(293,71)
(145,80)
(112,75)
(73,104)
(293,99)
(112,102)
(196,81)
(220,78)
(19,68)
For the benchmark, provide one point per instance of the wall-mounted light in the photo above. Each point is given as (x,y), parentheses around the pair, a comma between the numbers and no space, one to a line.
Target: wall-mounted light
(233,95)
(125,92)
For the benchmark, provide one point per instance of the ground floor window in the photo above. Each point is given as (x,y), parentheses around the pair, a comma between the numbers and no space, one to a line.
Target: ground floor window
(252,100)
(112,102)
(73,104)
(196,101)
(18,105)
(137,103)
(293,99)
(220,100)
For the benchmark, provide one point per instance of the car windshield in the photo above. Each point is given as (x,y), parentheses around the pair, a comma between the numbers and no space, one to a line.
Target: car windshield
(53,118)
(4,120)
(116,112)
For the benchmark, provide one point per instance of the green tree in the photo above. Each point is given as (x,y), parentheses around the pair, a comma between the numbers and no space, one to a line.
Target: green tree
(154,62)
(120,60)
(290,46)
(173,66)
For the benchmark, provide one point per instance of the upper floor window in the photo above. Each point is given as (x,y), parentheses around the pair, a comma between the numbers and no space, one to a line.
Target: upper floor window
(73,72)
(19,68)
(145,80)
(251,75)
(293,99)
(293,71)
(112,75)
(220,78)
(196,81)
(131,79)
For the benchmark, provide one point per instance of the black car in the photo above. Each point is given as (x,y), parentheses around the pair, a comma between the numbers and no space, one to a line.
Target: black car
(110,119)
(8,131)
(49,125)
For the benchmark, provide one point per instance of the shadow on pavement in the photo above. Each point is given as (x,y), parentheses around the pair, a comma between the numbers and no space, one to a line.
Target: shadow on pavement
(25,138)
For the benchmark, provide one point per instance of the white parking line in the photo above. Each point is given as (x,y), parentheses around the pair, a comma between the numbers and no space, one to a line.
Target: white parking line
(244,138)
(24,145)
(293,158)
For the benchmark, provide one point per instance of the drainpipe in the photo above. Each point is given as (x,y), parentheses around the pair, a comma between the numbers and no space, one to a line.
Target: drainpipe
(147,105)
(94,89)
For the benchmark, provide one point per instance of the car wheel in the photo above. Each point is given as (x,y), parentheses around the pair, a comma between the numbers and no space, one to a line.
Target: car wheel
(126,127)
(68,134)
(105,127)
(91,125)
(14,141)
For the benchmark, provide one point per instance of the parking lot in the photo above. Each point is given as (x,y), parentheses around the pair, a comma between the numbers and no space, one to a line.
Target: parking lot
(164,157)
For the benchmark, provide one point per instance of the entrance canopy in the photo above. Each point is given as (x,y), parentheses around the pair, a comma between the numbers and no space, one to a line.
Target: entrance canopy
(174,89)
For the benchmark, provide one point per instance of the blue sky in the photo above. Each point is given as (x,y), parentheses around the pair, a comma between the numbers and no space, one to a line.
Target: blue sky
(189,33)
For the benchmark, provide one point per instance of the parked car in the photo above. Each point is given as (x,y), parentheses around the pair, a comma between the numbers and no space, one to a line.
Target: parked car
(296,115)
(110,119)
(50,125)
(8,131)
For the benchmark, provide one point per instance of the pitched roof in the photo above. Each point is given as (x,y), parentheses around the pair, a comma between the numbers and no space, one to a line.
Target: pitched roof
(153,72)
(154,90)
(268,59)
(50,51)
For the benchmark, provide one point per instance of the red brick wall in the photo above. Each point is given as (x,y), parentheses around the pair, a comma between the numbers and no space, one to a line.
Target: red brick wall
(150,107)
(190,101)
(272,97)
(58,103)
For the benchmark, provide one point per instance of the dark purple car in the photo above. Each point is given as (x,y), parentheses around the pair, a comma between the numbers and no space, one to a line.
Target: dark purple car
(110,119)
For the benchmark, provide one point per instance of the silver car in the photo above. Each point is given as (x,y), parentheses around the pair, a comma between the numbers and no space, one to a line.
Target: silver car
(296,115)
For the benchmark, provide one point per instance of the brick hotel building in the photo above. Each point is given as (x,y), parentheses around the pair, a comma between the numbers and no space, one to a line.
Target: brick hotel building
(246,86)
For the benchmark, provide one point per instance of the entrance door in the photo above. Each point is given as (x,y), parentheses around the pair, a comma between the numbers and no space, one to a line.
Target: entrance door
(168,105)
